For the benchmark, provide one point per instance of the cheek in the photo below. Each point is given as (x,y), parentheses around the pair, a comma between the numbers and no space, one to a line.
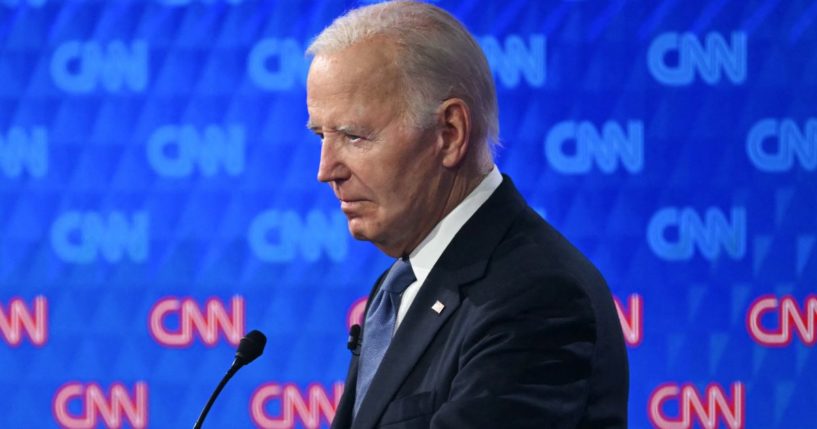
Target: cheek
(413,195)
(403,176)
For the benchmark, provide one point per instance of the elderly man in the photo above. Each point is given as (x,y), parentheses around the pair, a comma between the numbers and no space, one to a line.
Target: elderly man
(488,318)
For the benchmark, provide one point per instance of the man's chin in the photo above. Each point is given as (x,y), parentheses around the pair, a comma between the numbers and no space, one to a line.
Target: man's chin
(357,230)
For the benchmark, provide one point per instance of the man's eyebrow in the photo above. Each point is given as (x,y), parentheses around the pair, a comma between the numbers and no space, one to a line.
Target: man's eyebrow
(358,130)
(346,128)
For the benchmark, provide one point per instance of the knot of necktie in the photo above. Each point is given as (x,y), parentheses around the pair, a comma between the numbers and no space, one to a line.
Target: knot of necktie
(400,276)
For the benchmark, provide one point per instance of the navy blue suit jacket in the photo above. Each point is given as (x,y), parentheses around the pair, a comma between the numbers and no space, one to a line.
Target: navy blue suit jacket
(529,336)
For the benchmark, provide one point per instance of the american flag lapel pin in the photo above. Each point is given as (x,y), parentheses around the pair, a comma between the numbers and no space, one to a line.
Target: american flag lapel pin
(438,307)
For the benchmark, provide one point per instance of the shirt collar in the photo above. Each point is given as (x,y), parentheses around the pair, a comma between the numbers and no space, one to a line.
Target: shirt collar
(426,254)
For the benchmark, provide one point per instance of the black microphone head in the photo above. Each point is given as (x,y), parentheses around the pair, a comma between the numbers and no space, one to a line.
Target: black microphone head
(250,347)
(354,337)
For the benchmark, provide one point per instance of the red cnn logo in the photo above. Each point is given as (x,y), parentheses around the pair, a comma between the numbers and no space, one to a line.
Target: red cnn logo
(787,313)
(19,317)
(632,322)
(691,406)
(311,407)
(96,405)
(206,323)
(355,314)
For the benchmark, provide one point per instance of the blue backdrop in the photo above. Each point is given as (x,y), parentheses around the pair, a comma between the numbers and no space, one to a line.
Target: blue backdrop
(158,200)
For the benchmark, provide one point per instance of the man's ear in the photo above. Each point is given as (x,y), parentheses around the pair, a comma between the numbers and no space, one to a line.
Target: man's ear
(455,117)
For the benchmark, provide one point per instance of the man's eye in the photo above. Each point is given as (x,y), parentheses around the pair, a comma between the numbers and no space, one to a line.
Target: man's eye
(353,138)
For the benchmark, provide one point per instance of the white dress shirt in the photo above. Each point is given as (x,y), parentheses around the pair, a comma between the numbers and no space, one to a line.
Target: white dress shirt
(429,250)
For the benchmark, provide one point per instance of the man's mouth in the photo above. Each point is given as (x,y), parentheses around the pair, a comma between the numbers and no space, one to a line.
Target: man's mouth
(351,205)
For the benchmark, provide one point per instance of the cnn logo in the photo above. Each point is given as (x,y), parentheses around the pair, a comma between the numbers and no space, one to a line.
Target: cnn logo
(175,322)
(277,406)
(789,317)
(19,319)
(631,319)
(112,408)
(707,408)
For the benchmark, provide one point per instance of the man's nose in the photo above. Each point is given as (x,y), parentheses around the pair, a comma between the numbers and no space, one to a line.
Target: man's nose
(331,168)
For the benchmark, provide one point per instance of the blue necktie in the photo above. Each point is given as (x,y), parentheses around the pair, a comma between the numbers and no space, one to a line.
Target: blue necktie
(379,326)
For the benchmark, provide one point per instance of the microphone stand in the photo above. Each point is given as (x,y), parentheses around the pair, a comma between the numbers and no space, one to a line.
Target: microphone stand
(249,348)
(230,372)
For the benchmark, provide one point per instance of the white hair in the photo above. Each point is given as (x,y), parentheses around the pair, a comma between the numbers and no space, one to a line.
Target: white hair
(438,59)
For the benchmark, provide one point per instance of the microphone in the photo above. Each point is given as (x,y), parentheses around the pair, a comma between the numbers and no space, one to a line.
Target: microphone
(249,348)
(353,342)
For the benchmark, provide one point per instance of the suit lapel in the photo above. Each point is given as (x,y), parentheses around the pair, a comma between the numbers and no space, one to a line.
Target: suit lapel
(462,262)
(345,409)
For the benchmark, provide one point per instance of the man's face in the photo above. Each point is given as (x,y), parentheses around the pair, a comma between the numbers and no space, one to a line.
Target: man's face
(385,172)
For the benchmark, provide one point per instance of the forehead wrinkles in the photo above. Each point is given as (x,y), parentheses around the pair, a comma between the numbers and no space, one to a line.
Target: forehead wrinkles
(356,81)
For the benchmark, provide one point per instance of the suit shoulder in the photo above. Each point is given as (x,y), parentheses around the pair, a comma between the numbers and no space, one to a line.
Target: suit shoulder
(535,261)
(533,247)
